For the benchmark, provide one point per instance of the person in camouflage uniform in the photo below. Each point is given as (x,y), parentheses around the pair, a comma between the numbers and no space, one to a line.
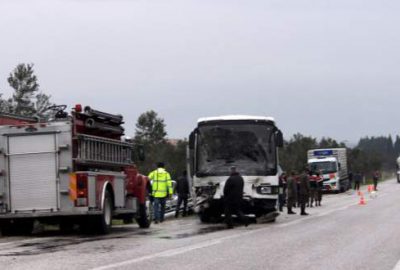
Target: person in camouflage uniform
(304,191)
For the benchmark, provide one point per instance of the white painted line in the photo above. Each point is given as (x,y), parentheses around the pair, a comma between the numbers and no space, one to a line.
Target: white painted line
(167,253)
(397,267)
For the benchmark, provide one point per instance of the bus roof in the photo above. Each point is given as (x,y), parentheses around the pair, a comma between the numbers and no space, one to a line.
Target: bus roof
(236,118)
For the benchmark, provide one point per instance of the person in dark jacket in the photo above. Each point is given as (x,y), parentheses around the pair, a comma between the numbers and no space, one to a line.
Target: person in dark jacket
(291,192)
(233,196)
(350,179)
(182,190)
(375,177)
(357,180)
(304,191)
(320,188)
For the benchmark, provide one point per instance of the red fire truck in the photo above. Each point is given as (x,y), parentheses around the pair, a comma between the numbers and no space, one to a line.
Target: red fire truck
(74,169)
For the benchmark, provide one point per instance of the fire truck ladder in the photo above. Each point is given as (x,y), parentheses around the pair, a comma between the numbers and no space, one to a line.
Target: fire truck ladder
(93,150)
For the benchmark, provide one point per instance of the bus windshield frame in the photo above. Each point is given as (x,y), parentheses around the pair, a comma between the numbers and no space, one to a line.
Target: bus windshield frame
(248,145)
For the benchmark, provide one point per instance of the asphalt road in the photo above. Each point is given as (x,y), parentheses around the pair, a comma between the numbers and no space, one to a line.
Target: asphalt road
(339,235)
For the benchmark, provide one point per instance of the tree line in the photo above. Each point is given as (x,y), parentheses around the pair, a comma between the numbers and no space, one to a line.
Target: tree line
(371,153)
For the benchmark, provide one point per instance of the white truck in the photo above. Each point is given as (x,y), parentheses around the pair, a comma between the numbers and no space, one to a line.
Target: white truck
(332,164)
(68,172)
(250,143)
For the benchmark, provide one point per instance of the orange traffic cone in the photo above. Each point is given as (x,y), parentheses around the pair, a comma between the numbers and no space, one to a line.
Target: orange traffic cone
(370,188)
(362,201)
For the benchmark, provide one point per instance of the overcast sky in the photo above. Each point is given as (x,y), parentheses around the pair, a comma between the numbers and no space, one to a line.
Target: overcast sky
(322,68)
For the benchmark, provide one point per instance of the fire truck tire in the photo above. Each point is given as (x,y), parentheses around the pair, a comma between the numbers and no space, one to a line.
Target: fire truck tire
(66,226)
(24,227)
(6,229)
(144,219)
(103,222)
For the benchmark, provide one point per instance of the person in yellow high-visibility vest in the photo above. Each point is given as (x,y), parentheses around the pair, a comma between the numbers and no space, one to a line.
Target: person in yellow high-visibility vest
(161,186)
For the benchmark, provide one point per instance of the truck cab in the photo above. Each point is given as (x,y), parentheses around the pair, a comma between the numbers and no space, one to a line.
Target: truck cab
(329,168)
(332,166)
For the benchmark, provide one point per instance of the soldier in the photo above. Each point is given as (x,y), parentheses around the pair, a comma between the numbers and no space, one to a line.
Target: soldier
(291,192)
(375,177)
(313,190)
(357,180)
(282,187)
(320,185)
(304,191)
(233,196)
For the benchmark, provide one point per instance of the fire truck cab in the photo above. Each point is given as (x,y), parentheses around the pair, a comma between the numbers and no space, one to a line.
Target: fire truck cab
(74,170)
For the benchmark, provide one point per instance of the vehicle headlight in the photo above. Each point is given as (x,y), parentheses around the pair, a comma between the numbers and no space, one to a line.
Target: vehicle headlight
(265,190)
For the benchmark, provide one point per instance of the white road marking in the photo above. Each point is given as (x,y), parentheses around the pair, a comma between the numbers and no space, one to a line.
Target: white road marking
(397,267)
(167,253)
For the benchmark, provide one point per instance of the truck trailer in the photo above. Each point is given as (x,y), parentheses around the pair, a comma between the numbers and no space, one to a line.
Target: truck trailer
(250,143)
(73,169)
(332,164)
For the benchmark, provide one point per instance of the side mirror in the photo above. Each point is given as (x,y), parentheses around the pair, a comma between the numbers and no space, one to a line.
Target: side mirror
(279,138)
(192,139)
(339,165)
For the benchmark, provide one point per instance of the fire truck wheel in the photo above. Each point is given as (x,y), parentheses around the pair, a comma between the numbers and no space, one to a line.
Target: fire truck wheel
(23,227)
(145,211)
(104,221)
(26,227)
(6,229)
(66,226)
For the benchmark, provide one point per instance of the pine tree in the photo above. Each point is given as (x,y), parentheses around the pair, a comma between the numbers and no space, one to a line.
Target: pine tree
(27,99)
(25,85)
(41,104)
(150,129)
(5,105)
(150,132)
